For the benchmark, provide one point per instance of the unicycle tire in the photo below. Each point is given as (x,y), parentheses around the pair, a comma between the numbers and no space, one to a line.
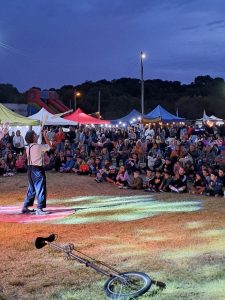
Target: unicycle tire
(132,285)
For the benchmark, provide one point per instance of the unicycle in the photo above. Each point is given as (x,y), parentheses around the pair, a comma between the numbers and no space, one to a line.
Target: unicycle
(125,285)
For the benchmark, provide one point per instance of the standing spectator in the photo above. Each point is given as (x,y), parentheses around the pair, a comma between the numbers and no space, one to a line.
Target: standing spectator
(18,142)
(59,139)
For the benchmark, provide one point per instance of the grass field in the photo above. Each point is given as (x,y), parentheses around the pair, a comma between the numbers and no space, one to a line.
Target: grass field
(177,239)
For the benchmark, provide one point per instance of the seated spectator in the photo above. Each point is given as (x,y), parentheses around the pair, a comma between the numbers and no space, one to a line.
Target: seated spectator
(183,178)
(105,154)
(157,181)
(60,160)
(139,150)
(47,162)
(84,168)
(166,181)
(122,151)
(177,185)
(102,173)
(137,182)
(98,163)
(151,158)
(158,162)
(190,171)
(112,174)
(122,177)
(20,164)
(220,159)
(77,164)
(92,166)
(215,187)
(67,145)
(149,178)
(167,166)
(11,163)
(69,164)
(3,167)
(222,176)
(199,185)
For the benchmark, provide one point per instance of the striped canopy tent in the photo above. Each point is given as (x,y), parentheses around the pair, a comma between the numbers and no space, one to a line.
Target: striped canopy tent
(10,117)
(159,114)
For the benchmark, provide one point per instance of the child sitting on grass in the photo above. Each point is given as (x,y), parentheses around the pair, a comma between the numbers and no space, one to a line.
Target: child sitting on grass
(199,185)
(20,164)
(122,177)
(84,168)
(69,164)
(111,176)
(138,181)
(164,187)
(215,186)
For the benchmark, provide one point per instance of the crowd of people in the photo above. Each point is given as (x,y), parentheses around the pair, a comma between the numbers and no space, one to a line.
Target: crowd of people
(156,158)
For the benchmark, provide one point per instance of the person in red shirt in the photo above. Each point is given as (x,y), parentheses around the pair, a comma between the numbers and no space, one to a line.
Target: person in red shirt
(59,140)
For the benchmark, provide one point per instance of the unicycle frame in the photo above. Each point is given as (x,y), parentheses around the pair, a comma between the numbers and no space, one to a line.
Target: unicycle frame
(68,250)
(102,268)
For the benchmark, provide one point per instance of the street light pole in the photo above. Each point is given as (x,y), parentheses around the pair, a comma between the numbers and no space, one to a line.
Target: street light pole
(75,95)
(99,102)
(142,83)
(75,100)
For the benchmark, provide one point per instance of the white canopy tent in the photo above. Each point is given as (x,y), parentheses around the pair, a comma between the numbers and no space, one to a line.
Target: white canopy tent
(209,119)
(46,118)
(49,119)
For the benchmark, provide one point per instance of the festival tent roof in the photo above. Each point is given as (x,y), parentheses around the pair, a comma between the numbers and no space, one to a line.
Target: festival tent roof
(14,119)
(204,117)
(214,118)
(132,117)
(49,119)
(80,117)
(162,114)
(211,118)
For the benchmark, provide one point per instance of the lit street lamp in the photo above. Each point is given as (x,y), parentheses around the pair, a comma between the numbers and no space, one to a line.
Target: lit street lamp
(76,94)
(143,56)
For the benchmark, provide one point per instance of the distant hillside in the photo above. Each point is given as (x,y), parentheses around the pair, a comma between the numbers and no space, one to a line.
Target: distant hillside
(119,96)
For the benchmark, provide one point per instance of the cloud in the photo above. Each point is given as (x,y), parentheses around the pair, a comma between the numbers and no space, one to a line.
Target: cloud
(191,27)
(216,22)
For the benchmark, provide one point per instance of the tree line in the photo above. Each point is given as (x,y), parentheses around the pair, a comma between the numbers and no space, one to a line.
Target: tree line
(120,96)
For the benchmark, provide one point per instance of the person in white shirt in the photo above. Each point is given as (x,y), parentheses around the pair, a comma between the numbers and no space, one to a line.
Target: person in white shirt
(36,173)
(18,142)
(149,132)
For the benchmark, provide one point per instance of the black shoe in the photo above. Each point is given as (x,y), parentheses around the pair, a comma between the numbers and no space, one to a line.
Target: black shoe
(26,210)
(40,212)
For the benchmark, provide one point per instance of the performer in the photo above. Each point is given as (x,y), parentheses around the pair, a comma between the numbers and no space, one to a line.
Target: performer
(36,173)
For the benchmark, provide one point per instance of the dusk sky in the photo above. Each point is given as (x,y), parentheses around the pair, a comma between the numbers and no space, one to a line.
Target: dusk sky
(50,43)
